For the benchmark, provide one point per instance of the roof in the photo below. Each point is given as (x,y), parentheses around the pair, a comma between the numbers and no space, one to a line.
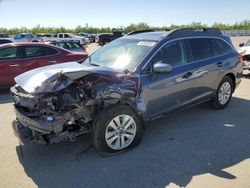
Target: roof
(155,36)
(24,44)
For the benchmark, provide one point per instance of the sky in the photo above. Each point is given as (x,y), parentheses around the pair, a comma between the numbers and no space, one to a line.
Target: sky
(116,13)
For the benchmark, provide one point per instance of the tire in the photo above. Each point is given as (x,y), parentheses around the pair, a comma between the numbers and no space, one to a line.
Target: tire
(103,128)
(223,93)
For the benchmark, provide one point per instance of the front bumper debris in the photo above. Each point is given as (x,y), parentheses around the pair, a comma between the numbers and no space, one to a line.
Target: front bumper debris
(246,65)
(26,135)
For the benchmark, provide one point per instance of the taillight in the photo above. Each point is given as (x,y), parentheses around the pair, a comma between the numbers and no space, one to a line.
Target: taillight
(240,58)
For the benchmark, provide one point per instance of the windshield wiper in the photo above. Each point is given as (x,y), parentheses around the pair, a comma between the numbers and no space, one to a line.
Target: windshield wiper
(92,63)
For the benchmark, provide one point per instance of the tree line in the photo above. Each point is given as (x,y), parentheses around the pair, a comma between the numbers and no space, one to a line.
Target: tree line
(244,25)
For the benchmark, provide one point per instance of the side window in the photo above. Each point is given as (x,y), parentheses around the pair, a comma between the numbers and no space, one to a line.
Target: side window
(222,46)
(8,53)
(200,49)
(214,48)
(60,35)
(49,51)
(33,51)
(67,36)
(173,53)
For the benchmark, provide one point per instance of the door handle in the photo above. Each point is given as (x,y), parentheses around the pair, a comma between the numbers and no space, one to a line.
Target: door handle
(14,65)
(220,64)
(51,62)
(187,75)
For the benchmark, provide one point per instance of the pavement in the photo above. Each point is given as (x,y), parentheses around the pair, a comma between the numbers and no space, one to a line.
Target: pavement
(199,147)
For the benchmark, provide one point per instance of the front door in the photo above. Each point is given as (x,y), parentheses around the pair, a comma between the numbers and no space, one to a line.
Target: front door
(10,65)
(164,92)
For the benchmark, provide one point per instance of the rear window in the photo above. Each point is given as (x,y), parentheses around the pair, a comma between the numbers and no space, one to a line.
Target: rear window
(68,45)
(8,53)
(214,48)
(73,45)
(49,51)
(200,49)
(223,47)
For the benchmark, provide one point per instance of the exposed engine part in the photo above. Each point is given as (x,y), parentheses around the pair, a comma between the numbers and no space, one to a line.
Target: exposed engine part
(66,114)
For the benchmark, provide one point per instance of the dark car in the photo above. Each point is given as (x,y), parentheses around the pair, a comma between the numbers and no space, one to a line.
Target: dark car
(4,35)
(91,37)
(105,38)
(5,41)
(73,46)
(124,85)
(17,58)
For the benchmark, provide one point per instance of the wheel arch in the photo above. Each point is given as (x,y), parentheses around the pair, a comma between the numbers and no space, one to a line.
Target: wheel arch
(131,105)
(232,76)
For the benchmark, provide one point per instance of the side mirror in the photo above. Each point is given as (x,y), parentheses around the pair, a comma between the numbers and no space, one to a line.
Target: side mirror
(160,67)
(241,44)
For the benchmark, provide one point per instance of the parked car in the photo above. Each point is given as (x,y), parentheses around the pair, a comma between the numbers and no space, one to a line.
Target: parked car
(125,84)
(73,46)
(105,38)
(23,37)
(245,52)
(89,36)
(69,36)
(4,35)
(5,40)
(42,37)
(18,58)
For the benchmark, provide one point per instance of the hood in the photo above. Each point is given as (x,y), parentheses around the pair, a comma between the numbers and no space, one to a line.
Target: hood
(56,77)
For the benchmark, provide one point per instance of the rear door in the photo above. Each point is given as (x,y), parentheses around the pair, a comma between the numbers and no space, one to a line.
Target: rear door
(10,65)
(38,56)
(207,64)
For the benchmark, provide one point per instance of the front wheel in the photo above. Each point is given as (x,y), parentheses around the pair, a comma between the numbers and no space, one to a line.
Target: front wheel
(223,94)
(116,129)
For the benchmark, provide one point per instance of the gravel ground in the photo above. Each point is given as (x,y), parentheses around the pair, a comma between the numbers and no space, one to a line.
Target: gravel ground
(198,147)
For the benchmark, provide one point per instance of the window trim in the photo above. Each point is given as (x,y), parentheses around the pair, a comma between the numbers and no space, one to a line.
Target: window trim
(13,59)
(35,57)
(162,46)
(183,38)
(191,50)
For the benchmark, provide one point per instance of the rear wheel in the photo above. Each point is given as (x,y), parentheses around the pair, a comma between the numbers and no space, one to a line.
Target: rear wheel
(223,94)
(116,129)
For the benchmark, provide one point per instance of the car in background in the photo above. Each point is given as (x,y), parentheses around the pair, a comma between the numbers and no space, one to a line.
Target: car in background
(245,52)
(17,58)
(23,37)
(91,37)
(69,36)
(42,37)
(5,40)
(4,35)
(105,38)
(73,46)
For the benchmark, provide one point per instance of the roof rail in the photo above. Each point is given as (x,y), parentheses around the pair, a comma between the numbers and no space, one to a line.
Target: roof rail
(185,31)
(141,31)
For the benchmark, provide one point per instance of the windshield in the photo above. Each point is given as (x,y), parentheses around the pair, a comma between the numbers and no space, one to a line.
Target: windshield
(122,54)
(247,43)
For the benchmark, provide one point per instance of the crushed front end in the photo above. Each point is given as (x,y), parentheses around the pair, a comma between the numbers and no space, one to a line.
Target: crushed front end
(63,115)
(52,118)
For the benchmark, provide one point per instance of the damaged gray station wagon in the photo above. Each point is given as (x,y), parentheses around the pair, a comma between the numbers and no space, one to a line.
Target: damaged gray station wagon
(128,82)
